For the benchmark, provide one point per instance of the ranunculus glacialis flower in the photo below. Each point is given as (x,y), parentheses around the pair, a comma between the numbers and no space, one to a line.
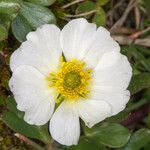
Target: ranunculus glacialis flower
(80,69)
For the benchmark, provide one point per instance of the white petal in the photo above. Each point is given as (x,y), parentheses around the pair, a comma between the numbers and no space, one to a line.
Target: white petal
(93,111)
(113,71)
(75,38)
(41,112)
(108,60)
(111,78)
(64,125)
(81,40)
(117,99)
(100,44)
(41,50)
(32,94)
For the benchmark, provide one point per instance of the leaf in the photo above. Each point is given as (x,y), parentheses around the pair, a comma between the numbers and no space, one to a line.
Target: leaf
(147,146)
(138,140)
(11,105)
(19,125)
(5,20)
(139,82)
(10,7)
(8,11)
(2,100)
(147,121)
(87,143)
(85,7)
(139,56)
(100,18)
(3,32)
(109,134)
(20,28)
(147,4)
(42,2)
(119,117)
(102,2)
(30,17)
(14,119)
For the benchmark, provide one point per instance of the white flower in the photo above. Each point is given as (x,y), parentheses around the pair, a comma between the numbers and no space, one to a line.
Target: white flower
(91,83)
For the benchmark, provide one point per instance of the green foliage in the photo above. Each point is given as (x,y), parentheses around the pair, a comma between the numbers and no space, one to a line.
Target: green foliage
(100,18)
(30,17)
(147,121)
(8,11)
(138,140)
(42,2)
(119,117)
(102,2)
(3,33)
(86,143)
(85,7)
(2,101)
(109,134)
(139,82)
(14,119)
(140,57)
(10,7)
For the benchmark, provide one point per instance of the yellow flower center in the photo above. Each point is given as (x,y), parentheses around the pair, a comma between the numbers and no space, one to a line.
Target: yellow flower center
(72,80)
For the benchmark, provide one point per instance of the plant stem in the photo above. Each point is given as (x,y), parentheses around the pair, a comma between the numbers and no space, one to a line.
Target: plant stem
(28,141)
(51,146)
(72,3)
(81,15)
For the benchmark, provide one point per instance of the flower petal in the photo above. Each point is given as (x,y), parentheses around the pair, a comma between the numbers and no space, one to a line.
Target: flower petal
(41,50)
(111,79)
(101,43)
(113,71)
(40,113)
(75,38)
(64,125)
(93,111)
(81,40)
(116,99)
(32,94)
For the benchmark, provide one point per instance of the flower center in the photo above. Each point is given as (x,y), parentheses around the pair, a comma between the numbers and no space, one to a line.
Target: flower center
(72,80)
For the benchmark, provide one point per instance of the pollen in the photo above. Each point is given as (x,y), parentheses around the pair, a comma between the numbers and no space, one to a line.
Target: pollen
(72,81)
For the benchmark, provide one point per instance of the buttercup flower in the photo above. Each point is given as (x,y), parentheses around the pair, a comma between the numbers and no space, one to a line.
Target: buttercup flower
(79,68)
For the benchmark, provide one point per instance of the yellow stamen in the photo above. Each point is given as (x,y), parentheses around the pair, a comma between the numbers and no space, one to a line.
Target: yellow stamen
(72,80)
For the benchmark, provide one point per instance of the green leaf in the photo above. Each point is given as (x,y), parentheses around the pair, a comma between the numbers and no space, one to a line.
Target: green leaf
(147,121)
(19,125)
(14,119)
(138,140)
(2,100)
(147,146)
(11,105)
(85,143)
(42,2)
(102,2)
(100,18)
(30,17)
(139,56)
(85,7)
(3,32)
(20,28)
(10,7)
(119,117)
(139,82)
(147,4)
(8,11)
(109,134)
